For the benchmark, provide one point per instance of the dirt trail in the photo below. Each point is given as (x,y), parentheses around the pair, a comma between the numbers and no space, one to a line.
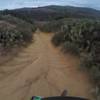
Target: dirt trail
(40,69)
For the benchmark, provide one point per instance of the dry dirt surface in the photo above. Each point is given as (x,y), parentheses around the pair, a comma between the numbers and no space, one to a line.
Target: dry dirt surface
(40,69)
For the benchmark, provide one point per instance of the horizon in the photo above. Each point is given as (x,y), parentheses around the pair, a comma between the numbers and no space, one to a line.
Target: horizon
(13,4)
(50,5)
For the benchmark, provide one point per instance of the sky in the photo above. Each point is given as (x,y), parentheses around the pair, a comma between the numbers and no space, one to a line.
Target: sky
(12,4)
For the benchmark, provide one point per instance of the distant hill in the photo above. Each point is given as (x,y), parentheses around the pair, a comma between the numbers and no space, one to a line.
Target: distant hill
(53,13)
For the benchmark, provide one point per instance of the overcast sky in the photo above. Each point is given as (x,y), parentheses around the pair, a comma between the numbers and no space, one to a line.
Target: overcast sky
(11,4)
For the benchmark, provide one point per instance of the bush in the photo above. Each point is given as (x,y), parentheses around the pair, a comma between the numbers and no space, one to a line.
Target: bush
(52,26)
(82,37)
(71,48)
(57,39)
(15,32)
(86,60)
(9,38)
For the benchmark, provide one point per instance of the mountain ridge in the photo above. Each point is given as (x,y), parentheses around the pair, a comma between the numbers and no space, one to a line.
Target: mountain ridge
(54,12)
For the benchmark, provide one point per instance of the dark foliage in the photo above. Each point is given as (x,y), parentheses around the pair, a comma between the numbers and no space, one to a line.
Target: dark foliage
(50,26)
(14,32)
(82,37)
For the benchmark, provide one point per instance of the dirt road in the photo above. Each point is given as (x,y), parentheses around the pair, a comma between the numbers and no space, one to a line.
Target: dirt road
(42,70)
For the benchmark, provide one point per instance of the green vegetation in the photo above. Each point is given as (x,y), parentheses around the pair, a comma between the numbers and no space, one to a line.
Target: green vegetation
(15,32)
(50,26)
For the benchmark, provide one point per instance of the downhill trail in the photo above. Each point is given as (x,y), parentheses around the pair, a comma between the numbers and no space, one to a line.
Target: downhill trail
(41,69)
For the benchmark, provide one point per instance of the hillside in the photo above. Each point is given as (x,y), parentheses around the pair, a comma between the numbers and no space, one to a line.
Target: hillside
(53,13)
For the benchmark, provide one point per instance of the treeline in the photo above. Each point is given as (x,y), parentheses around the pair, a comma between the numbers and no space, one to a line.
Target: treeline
(81,37)
(50,26)
(15,32)
(53,12)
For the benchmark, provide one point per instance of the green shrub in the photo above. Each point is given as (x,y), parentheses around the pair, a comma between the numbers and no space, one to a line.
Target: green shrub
(15,32)
(70,47)
(10,37)
(86,60)
(57,39)
(82,37)
(52,26)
